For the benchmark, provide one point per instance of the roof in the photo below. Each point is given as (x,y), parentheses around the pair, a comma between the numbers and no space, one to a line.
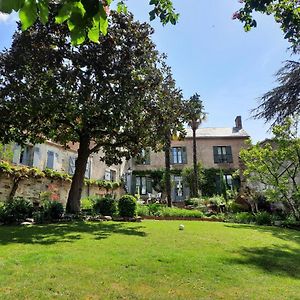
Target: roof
(214,132)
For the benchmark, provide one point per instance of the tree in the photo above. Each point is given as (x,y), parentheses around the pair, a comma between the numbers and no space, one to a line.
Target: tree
(188,175)
(274,166)
(170,117)
(284,100)
(101,96)
(195,115)
(85,18)
(286,13)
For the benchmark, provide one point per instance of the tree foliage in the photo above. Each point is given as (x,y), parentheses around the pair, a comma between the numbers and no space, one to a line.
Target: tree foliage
(285,12)
(284,100)
(100,95)
(274,166)
(84,18)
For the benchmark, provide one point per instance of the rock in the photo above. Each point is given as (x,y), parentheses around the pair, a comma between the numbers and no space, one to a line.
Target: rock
(138,219)
(26,223)
(29,220)
(107,218)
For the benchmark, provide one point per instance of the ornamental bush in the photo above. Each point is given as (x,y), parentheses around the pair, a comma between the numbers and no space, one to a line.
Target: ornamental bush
(16,211)
(105,206)
(127,206)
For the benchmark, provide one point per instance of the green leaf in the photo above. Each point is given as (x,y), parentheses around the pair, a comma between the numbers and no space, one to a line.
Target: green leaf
(28,14)
(103,20)
(77,36)
(43,11)
(94,32)
(7,6)
(64,13)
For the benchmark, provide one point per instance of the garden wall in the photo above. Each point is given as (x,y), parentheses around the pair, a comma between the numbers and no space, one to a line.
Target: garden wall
(58,189)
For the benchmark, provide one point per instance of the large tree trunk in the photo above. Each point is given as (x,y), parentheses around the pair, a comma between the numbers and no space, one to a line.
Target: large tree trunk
(73,202)
(195,181)
(168,169)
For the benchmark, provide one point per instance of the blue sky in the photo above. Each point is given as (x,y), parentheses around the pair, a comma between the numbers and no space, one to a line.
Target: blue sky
(212,55)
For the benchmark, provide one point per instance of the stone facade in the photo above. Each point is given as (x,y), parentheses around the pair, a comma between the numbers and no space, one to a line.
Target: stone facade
(58,189)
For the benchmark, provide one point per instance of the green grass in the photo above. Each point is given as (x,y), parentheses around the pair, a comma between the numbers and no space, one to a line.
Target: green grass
(149,260)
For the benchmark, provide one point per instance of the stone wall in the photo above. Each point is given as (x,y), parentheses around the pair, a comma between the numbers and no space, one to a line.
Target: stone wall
(32,188)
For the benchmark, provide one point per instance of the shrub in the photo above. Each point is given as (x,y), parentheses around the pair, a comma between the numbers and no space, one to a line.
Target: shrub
(53,210)
(87,203)
(236,207)
(195,202)
(16,211)
(127,206)
(105,206)
(142,210)
(179,212)
(155,209)
(244,218)
(263,218)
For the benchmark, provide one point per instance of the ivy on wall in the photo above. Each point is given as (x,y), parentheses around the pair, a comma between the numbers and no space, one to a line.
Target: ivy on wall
(18,173)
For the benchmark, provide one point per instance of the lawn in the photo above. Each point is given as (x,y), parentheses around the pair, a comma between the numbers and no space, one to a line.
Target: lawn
(149,260)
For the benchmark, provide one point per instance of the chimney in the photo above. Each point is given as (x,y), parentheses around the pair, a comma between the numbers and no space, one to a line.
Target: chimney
(238,122)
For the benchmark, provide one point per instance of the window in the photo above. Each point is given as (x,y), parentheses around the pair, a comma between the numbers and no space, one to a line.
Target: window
(178,155)
(144,157)
(228,181)
(50,160)
(26,156)
(143,185)
(222,154)
(110,175)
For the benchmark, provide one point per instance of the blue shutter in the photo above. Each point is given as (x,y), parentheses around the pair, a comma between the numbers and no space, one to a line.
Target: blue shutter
(72,160)
(50,160)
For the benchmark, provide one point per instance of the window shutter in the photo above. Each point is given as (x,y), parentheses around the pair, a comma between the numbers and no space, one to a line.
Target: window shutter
(133,184)
(72,160)
(216,156)
(184,155)
(147,157)
(149,185)
(171,156)
(229,154)
(55,161)
(87,169)
(50,160)
(17,153)
(36,157)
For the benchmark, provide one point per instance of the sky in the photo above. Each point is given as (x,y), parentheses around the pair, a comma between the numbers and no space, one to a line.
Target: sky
(210,54)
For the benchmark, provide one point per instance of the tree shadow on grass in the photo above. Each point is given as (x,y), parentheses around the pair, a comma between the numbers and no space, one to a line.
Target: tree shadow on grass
(281,261)
(65,233)
(281,233)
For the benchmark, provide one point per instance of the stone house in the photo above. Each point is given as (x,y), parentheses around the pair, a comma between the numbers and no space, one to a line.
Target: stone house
(54,156)
(216,148)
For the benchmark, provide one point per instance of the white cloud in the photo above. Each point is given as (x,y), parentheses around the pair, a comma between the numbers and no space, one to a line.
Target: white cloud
(4,17)
(8,18)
